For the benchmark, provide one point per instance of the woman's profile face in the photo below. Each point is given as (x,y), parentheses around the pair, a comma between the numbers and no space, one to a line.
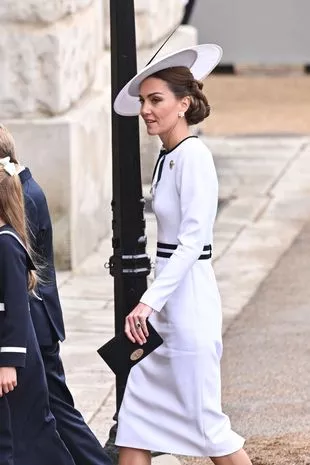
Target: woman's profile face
(159,106)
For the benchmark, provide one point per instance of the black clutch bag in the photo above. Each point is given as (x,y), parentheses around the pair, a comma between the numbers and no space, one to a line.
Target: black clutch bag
(121,354)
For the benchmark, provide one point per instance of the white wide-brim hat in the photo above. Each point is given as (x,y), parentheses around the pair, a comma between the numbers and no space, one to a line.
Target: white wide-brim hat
(201,60)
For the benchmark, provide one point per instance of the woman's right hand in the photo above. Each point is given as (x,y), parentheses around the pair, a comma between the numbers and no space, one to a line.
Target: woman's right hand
(8,380)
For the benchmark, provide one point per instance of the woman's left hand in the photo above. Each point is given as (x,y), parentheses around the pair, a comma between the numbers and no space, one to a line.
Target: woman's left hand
(135,323)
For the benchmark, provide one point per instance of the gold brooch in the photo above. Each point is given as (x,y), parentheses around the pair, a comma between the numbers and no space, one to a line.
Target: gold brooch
(171,164)
(136,354)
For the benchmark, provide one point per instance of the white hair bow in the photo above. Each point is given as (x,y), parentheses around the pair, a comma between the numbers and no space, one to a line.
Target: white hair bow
(8,166)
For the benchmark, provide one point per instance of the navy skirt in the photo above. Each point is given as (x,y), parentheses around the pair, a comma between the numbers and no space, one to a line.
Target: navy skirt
(28,434)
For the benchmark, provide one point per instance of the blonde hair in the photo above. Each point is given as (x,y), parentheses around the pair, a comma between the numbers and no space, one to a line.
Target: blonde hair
(12,210)
(7,144)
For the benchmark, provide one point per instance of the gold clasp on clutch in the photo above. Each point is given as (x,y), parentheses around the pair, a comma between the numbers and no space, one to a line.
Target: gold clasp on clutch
(136,354)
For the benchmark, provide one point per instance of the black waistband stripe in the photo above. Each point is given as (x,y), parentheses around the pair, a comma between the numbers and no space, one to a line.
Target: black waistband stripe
(161,245)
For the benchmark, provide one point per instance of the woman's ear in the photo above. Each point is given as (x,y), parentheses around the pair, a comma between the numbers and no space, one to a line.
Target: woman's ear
(185,103)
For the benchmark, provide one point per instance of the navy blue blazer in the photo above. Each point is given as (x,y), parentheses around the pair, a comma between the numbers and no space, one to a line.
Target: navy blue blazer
(46,310)
(14,304)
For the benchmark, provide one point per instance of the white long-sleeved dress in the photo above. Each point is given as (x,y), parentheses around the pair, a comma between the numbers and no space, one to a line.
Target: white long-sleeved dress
(172,401)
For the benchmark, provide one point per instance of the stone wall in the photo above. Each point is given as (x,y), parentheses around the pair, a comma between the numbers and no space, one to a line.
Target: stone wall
(49,53)
(55,98)
(49,56)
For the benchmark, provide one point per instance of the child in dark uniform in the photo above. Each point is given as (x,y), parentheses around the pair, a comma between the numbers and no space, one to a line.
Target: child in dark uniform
(28,433)
(47,318)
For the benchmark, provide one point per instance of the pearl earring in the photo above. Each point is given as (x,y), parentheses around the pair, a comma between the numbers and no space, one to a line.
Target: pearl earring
(181,114)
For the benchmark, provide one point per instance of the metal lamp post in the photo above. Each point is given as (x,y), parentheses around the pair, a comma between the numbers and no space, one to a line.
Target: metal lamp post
(129,264)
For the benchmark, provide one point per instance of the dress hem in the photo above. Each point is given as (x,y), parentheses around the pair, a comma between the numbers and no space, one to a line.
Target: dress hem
(218,453)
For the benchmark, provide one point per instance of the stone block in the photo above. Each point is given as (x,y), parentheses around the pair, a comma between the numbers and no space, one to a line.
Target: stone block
(155,19)
(39,11)
(91,176)
(70,157)
(45,70)
(185,36)
(103,73)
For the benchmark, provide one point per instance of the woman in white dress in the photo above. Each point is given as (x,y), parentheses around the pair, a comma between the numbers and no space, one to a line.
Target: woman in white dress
(172,400)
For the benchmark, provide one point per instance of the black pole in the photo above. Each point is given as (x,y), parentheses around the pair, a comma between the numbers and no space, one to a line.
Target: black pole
(129,264)
(188,11)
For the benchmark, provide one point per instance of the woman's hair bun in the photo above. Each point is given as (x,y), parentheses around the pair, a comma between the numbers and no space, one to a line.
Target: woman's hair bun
(199,107)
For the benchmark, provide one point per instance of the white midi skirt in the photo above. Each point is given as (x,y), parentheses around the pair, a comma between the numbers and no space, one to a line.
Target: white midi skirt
(172,400)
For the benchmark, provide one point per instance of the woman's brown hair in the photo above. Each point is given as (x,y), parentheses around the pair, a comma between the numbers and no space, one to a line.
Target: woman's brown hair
(183,84)
(12,210)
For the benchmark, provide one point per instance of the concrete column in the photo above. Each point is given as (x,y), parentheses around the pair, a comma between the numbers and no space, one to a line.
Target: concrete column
(48,98)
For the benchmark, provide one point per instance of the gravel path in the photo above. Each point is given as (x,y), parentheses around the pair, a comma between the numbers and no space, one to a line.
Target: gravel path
(257,104)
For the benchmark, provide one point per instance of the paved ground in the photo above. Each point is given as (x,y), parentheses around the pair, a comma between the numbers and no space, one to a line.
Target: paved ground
(266,375)
(265,186)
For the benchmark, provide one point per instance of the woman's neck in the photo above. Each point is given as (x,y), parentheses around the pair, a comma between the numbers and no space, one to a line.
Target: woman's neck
(172,138)
(2,223)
